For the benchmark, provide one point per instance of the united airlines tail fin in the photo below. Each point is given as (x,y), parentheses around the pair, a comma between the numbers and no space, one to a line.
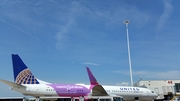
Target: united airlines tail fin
(22,75)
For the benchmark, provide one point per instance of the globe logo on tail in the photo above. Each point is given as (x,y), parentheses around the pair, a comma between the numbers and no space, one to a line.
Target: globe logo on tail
(26,77)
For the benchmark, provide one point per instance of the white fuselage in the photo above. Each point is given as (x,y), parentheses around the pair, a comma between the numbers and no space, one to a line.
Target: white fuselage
(128,93)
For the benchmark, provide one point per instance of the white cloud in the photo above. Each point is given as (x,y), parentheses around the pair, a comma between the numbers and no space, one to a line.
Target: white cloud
(154,74)
(14,14)
(90,63)
(168,8)
(30,35)
(122,84)
(97,14)
(69,19)
(61,35)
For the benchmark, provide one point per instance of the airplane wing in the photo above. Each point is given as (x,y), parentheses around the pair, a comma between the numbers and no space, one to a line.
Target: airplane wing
(12,84)
(97,90)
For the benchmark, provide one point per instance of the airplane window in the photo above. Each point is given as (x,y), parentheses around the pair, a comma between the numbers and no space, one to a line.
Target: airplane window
(152,91)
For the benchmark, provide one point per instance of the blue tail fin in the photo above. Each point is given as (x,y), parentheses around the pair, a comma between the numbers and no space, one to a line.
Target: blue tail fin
(22,75)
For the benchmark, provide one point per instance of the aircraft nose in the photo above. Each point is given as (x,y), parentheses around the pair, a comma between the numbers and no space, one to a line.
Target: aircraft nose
(156,94)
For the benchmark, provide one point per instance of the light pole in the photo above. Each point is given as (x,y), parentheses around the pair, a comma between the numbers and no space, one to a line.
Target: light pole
(127,22)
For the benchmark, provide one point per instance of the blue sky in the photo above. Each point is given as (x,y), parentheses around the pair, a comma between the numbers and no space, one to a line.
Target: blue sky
(58,38)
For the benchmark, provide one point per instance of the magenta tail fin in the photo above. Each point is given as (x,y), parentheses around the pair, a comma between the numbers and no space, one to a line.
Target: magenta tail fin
(92,79)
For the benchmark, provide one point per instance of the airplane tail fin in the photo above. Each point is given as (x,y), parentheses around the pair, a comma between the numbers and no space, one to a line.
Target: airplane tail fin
(92,79)
(22,75)
(97,90)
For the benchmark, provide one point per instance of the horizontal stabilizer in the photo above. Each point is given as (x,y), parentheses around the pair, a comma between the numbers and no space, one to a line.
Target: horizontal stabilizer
(12,84)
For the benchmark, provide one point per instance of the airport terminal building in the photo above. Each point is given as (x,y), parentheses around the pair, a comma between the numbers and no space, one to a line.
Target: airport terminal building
(166,89)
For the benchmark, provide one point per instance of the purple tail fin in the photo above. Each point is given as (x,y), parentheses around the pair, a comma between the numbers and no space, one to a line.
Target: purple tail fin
(92,79)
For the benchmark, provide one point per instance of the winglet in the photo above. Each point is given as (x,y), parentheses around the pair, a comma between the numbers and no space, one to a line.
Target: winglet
(92,79)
